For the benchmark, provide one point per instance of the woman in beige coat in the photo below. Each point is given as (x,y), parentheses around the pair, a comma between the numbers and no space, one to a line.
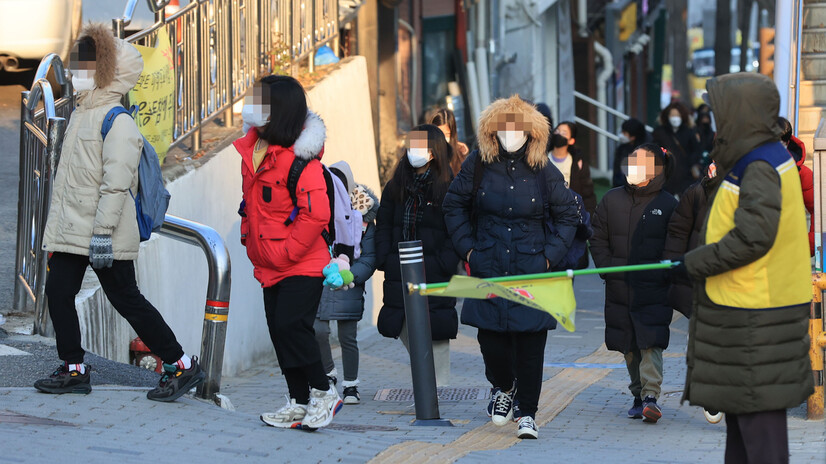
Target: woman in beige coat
(92,219)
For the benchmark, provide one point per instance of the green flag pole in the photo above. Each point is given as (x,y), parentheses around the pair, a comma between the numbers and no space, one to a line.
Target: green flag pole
(554,275)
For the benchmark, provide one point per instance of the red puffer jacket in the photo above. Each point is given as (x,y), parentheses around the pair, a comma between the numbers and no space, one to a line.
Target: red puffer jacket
(807,182)
(278,250)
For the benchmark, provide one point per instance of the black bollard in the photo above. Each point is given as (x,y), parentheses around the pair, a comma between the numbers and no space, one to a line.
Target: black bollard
(417,313)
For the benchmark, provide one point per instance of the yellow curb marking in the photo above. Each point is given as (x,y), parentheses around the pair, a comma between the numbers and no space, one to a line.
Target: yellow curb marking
(673,355)
(557,393)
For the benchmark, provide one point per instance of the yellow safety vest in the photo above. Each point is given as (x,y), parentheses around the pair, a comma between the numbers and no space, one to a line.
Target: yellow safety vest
(781,278)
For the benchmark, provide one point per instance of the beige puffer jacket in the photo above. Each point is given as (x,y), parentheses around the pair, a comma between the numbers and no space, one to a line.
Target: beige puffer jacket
(91,193)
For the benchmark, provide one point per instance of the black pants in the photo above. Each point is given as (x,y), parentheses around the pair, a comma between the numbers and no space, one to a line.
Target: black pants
(291,306)
(757,438)
(510,356)
(62,284)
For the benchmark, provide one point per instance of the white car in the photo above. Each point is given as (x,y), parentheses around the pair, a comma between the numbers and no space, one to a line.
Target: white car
(31,29)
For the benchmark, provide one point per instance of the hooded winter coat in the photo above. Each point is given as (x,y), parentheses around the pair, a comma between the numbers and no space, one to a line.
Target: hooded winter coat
(94,177)
(749,357)
(684,230)
(508,232)
(807,183)
(276,249)
(685,147)
(630,227)
(349,304)
(440,263)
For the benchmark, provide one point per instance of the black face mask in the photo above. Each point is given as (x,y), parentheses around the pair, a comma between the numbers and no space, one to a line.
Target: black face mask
(559,141)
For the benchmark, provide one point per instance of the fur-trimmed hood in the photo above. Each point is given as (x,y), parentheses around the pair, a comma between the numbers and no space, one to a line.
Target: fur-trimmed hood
(310,144)
(118,64)
(489,145)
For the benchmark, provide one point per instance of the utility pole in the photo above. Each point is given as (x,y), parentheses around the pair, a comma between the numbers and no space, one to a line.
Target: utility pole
(722,39)
(677,12)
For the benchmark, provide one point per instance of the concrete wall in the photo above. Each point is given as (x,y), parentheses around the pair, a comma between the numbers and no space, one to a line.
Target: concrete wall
(173,275)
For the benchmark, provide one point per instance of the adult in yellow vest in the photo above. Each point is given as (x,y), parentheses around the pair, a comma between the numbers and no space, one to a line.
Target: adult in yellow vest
(748,344)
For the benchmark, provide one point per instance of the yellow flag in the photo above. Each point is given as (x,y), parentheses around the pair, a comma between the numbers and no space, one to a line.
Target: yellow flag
(154,94)
(554,296)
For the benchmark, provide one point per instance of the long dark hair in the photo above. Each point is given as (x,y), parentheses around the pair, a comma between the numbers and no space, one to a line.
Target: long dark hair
(440,172)
(442,117)
(288,110)
(685,114)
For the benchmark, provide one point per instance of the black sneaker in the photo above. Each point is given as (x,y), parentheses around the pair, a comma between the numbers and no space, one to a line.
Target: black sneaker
(651,411)
(351,395)
(503,407)
(636,409)
(175,381)
(63,380)
(493,392)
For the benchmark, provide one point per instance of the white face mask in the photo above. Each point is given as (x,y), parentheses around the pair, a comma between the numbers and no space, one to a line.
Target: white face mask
(675,121)
(254,116)
(512,140)
(418,157)
(83,83)
(636,175)
(623,139)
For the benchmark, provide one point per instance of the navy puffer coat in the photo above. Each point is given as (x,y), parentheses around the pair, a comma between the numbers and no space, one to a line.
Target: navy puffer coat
(509,236)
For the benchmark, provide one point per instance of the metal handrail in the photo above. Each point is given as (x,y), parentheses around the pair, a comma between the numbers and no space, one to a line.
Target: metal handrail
(596,129)
(608,109)
(217,297)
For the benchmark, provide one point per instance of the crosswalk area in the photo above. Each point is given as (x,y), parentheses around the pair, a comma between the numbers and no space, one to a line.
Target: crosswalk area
(6,350)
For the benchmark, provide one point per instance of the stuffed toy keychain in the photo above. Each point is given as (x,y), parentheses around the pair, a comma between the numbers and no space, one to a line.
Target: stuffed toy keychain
(337,274)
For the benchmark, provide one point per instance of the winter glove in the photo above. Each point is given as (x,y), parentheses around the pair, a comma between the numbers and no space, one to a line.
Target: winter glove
(100,251)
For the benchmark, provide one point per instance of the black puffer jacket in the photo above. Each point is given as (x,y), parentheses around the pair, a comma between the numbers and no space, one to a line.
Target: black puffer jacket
(440,262)
(630,227)
(509,235)
(684,236)
(685,146)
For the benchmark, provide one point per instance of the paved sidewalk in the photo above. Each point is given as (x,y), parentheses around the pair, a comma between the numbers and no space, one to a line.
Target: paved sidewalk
(582,414)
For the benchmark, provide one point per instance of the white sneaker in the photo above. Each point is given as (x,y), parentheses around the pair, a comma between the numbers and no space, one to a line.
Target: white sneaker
(288,417)
(502,407)
(527,428)
(323,406)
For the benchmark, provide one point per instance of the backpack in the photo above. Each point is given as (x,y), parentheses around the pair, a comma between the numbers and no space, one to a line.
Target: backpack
(152,199)
(583,229)
(343,233)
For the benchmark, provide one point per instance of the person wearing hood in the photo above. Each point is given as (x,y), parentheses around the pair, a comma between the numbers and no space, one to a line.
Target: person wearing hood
(411,209)
(633,134)
(630,227)
(347,307)
(748,346)
(705,133)
(92,219)
(284,239)
(509,212)
(807,182)
(676,135)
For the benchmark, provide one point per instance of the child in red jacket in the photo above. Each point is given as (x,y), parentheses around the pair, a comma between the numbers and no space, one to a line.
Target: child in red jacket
(798,152)
(284,240)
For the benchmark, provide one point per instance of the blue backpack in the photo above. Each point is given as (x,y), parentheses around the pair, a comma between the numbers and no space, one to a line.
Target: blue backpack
(152,199)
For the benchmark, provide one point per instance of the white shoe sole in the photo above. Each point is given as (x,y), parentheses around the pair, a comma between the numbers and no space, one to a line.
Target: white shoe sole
(327,419)
(527,433)
(351,400)
(280,425)
(501,420)
(713,418)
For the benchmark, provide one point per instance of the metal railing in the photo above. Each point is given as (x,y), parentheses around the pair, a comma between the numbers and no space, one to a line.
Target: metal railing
(817,330)
(217,298)
(43,121)
(221,46)
(603,157)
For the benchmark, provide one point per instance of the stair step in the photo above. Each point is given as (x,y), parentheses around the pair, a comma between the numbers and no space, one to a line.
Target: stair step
(814,15)
(813,66)
(814,39)
(813,93)
(809,118)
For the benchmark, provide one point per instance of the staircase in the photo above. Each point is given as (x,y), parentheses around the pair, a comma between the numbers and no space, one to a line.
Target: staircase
(812,71)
